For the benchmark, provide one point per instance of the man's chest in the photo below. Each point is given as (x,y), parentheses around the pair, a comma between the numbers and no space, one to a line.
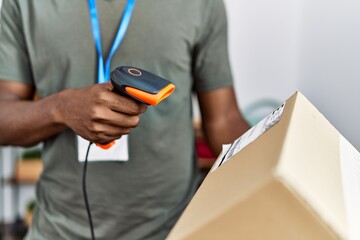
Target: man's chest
(62,31)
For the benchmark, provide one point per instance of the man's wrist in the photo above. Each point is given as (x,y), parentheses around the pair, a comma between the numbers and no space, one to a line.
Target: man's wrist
(58,107)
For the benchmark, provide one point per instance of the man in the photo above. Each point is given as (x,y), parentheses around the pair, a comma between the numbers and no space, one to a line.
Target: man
(47,47)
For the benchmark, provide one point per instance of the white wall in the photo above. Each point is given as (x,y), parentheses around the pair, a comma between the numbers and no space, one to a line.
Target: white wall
(279,46)
(263,42)
(329,70)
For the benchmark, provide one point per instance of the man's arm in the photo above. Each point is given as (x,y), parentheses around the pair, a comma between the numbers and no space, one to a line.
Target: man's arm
(24,122)
(222,120)
(95,113)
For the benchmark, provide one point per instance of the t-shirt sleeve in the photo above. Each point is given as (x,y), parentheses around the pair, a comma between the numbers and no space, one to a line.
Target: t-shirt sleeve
(211,67)
(14,59)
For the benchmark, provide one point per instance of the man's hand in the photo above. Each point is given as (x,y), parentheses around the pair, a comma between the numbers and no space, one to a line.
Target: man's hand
(95,113)
(98,114)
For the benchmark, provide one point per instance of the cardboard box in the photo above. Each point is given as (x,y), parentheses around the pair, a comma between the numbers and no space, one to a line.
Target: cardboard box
(292,176)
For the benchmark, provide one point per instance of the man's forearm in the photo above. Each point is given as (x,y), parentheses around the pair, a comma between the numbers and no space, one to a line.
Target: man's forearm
(26,123)
(224,130)
(221,117)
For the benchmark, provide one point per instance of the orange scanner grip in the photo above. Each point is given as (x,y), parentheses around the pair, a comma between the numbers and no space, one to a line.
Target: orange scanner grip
(152,99)
(105,146)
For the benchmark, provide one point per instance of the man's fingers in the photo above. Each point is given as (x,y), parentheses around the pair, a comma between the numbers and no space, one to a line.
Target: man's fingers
(117,119)
(127,105)
(105,133)
(118,102)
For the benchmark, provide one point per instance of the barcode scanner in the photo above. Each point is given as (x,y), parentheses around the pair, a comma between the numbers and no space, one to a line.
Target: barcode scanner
(140,85)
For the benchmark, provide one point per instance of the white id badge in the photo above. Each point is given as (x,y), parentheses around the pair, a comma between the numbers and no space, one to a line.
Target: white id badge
(118,152)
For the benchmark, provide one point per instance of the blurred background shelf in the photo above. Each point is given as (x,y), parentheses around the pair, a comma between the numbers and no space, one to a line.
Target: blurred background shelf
(27,171)
(19,175)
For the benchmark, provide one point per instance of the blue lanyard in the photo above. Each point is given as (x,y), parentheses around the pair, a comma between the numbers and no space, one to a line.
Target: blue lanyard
(104,70)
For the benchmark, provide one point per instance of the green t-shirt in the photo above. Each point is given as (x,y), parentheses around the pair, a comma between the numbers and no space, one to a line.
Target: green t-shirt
(49,44)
